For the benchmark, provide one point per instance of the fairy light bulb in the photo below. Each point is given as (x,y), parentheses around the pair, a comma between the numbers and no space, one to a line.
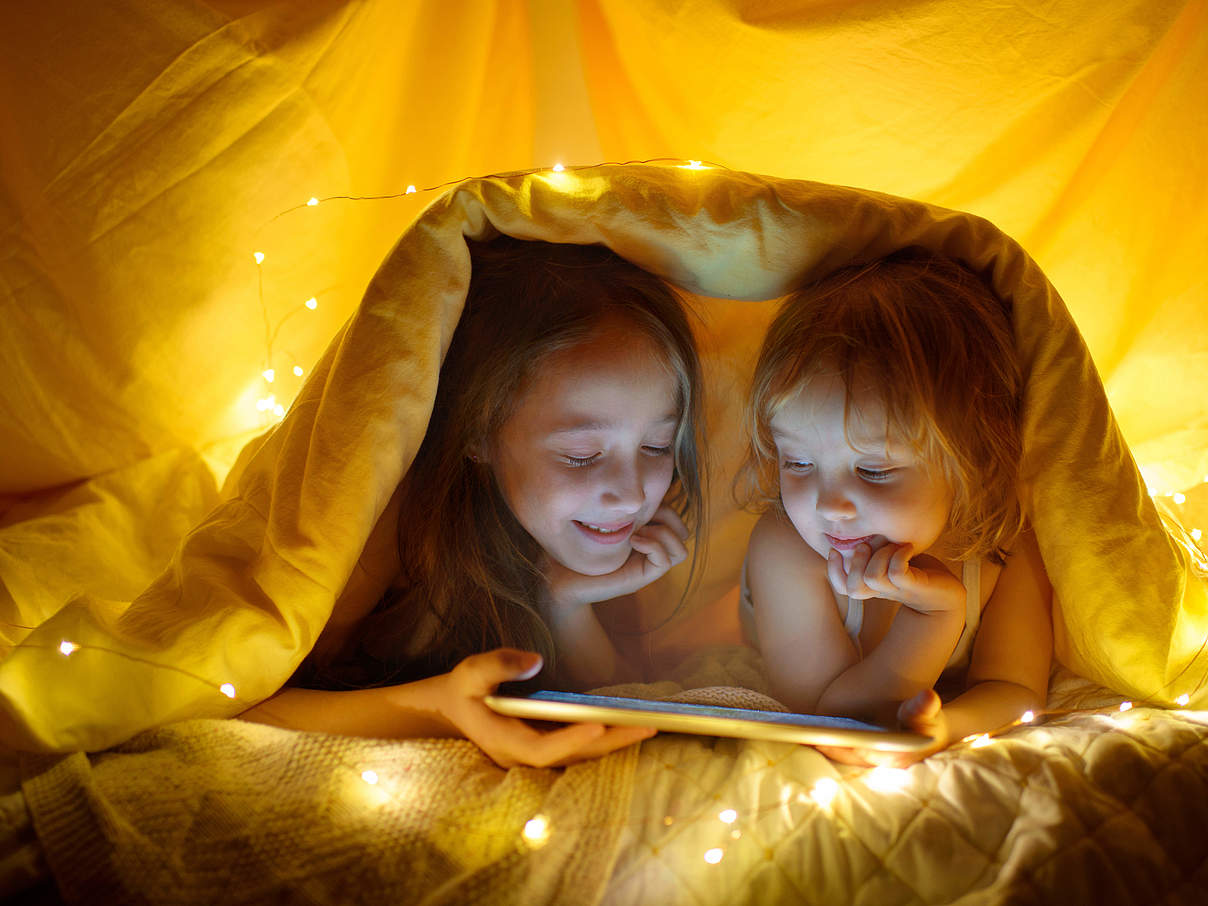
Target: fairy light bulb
(269,374)
(1182,700)
(279,411)
(980,741)
(558,168)
(714,855)
(824,791)
(885,779)
(227,689)
(1125,706)
(311,202)
(370,777)
(410,190)
(1027,717)
(266,403)
(693,165)
(259,256)
(1196,534)
(536,830)
(298,371)
(728,816)
(66,648)
(1179,497)
(312,303)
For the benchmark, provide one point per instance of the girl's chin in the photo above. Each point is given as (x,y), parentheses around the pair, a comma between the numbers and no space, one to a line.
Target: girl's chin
(601,564)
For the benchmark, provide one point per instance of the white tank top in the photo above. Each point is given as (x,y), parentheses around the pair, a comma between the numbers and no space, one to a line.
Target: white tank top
(853,614)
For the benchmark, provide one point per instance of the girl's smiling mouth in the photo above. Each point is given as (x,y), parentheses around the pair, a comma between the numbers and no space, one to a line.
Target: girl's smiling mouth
(605,532)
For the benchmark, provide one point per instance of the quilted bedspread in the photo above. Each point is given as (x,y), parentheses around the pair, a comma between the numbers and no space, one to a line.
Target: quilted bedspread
(1093,805)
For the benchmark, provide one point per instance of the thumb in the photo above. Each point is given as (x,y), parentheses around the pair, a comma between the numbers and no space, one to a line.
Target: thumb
(919,710)
(489,669)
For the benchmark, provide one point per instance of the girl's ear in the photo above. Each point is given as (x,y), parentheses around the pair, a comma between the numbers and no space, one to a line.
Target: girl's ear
(477,453)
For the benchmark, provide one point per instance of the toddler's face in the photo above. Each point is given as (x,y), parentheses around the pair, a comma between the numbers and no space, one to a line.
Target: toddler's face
(863,485)
(586,457)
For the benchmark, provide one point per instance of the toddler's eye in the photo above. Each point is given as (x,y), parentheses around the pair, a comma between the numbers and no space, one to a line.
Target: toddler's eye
(875,474)
(578,462)
(796,465)
(652,450)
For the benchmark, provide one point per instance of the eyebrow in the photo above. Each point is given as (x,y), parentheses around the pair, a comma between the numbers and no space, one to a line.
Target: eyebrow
(587,425)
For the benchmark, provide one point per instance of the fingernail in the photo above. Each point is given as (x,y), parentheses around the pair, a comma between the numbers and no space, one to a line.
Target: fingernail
(534,666)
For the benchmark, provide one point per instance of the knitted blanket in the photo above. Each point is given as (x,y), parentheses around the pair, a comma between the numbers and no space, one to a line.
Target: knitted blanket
(1093,806)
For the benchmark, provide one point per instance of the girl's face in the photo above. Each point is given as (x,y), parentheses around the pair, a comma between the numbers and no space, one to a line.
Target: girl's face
(840,488)
(587,455)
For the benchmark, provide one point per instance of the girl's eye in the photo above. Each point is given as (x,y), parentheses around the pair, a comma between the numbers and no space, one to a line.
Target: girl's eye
(652,450)
(578,462)
(875,474)
(796,465)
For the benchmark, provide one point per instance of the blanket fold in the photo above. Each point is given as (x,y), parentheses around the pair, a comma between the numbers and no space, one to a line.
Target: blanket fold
(251,587)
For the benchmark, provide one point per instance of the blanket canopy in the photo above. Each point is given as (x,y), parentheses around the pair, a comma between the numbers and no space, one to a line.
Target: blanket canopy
(195,196)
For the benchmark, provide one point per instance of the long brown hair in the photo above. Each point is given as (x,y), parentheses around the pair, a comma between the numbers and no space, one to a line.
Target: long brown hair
(931,338)
(469,570)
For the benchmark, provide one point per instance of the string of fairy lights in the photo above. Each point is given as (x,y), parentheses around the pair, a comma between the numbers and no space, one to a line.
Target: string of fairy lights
(537,829)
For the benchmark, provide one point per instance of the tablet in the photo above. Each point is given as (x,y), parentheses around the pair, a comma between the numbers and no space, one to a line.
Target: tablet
(706,720)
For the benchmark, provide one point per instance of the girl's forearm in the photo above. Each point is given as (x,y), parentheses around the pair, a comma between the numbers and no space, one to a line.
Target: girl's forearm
(409,711)
(586,654)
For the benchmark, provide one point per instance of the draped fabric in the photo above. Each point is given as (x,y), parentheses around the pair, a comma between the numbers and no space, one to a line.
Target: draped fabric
(160,256)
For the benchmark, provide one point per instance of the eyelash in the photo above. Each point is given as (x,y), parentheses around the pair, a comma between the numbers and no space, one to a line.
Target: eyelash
(874,475)
(579,462)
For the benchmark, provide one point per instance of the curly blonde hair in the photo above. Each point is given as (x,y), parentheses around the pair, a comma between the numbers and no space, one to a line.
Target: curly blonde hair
(930,337)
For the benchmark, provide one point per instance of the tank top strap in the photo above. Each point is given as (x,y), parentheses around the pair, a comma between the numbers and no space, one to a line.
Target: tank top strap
(971,577)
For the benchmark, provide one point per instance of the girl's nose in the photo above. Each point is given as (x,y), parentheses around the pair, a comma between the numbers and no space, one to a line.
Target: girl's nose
(622,488)
(834,502)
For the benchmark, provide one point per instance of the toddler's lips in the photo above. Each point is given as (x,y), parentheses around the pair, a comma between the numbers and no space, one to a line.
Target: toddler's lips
(605,532)
(847,545)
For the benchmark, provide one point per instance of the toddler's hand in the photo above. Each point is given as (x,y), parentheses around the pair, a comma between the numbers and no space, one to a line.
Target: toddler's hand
(922,583)
(509,741)
(921,713)
(657,546)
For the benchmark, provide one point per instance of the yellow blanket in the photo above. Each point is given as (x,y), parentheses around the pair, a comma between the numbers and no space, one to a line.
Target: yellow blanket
(251,587)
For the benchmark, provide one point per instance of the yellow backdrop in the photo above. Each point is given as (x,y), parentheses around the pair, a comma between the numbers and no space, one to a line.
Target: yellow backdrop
(150,149)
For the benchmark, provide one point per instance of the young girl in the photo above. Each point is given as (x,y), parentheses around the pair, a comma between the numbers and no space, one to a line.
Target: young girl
(560,454)
(885,419)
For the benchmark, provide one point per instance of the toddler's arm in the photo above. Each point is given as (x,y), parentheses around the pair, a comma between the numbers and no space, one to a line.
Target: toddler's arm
(1009,672)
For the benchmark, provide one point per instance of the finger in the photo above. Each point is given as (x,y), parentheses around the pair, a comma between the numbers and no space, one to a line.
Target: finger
(855,571)
(922,707)
(899,565)
(667,516)
(479,674)
(652,550)
(835,573)
(510,741)
(876,574)
(672,545)
(845,756)
(613,739)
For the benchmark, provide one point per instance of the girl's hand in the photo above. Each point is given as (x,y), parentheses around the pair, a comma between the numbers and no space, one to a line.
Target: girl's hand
(657,546)
(509,741)
(923,583)
(921,713)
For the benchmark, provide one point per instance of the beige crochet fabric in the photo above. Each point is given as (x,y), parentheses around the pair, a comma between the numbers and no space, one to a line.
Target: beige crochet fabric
(212,811)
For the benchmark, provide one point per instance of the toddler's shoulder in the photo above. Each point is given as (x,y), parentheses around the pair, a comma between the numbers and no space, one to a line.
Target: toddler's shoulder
(774,541)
